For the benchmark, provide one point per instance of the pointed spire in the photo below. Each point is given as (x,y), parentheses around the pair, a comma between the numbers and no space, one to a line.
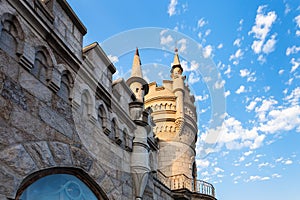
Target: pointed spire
(176,61)
(136,65)
(176,58)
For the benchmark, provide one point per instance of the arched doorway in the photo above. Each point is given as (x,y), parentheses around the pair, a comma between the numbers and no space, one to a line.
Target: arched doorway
(60,184)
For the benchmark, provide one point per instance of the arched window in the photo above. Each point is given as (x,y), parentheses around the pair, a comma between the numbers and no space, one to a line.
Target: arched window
(7,38)
(102,118)
(85,104)
(11,35)
(65,87)
(58,187)
(39,69)
(113,128)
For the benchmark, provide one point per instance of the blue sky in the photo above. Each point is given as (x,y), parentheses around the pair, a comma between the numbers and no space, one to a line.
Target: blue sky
(254,46)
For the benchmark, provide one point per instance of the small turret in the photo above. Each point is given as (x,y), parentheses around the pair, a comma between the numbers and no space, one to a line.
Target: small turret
(136,82)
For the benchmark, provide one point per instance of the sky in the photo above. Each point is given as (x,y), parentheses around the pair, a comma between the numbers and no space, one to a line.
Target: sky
(242,63)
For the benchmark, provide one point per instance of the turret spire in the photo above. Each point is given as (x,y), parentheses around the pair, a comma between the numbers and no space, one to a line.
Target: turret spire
(176,65)
(136,65)
(176,58)
(136,82)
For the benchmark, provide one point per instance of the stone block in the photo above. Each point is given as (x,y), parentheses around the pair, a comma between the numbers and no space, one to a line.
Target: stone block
(6,182)
(127,190)
(5,108)
(18,159)
(9,66)
(97,171)
(10,135)
(56,121)
(29,124)
(40,152)
(34,86)
(81,159)
(61,153)
(115,194)
(14,93)
(106,184)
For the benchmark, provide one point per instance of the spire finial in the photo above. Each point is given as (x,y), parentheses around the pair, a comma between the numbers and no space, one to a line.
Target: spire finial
(136,65)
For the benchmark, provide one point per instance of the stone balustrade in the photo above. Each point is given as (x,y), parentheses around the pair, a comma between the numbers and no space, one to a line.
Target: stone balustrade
(181,181)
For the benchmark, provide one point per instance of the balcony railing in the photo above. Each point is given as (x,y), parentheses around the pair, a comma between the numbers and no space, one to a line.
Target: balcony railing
(181,181)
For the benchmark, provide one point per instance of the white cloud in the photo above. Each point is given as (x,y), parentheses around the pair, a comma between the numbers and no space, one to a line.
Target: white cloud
(201,98)
(276,175)
(193,78)
(182,45)
(287,9)
(193,65)
(284,119)
(228,71)
(227,93)
(207,32)
(292,50)
(236,56)
(280,72)
(219,84)
(258,178)
(294,97)
(262,27)
(233,136)
(248,153)
(113,59)
(240,90)
(207,51)
(164,40)
(279,159)
(295,64)
(270,45)
(237,42)
(288,162)
(265,164)
(201,22)
(220,46)
(297,20)
(172,7)
(202,163)
(244,72)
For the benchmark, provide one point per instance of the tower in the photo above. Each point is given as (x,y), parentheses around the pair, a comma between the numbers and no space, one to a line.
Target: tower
(140,167)
(174,114)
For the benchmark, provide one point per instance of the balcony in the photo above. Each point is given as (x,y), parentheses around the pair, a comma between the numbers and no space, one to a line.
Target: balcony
(181,184)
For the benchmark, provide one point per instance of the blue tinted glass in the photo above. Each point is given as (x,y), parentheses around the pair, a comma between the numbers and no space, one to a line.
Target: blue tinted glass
(58,187)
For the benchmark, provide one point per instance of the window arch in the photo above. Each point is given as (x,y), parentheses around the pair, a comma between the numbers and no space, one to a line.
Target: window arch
(60,183)
(102,117)
(115,131)
(11,35)
(66,84)
(85,104)
(39,69)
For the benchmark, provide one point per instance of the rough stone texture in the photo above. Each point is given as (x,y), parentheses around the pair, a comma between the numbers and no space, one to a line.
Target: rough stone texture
(55,121)
(106,184)
(14,92)
(6,182)
(97,172)
(34,86)
(40,152)
(18,159)
(81,159)
(10,135)
(29,124)
(61,153)
(5,108)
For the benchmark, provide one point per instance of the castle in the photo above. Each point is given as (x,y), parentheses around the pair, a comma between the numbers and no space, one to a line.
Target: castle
(68,131)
